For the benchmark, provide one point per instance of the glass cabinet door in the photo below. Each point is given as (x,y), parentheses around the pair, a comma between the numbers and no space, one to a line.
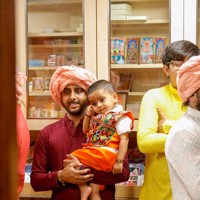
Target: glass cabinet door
(55,38)
(140,30)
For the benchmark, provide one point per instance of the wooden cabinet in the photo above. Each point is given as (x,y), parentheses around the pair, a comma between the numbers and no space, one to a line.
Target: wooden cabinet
(146,19)
(143,22)
(55,38)
(50,34)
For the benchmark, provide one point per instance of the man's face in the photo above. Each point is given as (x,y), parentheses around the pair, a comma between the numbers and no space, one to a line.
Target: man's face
(172,71)
(74,100)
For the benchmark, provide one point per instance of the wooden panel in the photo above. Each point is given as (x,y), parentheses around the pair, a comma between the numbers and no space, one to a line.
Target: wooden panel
(90,48)
(127,192)
(103,39)
(29,193)
(7,101)
(176,20)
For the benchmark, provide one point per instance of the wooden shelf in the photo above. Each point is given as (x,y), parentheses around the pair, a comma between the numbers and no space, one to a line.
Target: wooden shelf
(125,22)
(37,125)
(136,66)
(45,46)
(55,34)
(136,93)
(39,94)
(42,68)
(49,3)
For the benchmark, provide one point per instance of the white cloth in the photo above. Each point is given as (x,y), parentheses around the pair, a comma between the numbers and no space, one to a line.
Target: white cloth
(124,124)
(182,151)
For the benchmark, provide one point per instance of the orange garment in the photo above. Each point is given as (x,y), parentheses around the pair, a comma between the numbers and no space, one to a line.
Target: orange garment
(23,142)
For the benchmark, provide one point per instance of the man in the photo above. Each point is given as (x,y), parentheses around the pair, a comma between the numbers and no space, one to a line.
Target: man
(68,87)
(183,145)
(160,108)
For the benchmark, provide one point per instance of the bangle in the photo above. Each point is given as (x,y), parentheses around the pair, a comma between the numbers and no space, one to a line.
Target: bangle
(119,161)
(59,179)
(88,116)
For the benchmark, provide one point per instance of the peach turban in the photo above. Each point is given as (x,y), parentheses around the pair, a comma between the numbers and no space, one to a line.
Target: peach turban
(67,75)
(20,79)
(188,78)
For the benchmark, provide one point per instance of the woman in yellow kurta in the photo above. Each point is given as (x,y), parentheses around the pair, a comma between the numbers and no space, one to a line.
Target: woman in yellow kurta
(160,108)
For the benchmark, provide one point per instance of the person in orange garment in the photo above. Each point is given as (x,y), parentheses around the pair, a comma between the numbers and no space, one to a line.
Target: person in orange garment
(107,127)
(23,136)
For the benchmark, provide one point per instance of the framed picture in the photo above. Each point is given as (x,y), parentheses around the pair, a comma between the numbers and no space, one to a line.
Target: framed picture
(125,82)
(38,84)
(60,60)
(117,50)
(132,50)
(122,99)
(46,84)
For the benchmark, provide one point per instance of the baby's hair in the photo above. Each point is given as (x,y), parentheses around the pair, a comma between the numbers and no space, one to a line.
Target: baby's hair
(101,84)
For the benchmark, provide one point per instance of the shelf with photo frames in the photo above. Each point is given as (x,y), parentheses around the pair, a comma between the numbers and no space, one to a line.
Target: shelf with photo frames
(149,19)
(136,66)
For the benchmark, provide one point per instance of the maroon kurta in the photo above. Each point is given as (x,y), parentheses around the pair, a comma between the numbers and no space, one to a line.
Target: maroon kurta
(53,144)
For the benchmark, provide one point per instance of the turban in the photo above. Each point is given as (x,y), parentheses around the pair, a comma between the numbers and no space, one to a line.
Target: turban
(69,75)
(188,78)
(20,79)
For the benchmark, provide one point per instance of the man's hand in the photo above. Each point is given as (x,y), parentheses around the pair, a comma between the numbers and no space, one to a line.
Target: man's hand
(71,175)
(161,120)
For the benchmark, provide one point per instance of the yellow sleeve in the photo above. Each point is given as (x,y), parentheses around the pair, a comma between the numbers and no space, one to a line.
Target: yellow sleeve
(149,141)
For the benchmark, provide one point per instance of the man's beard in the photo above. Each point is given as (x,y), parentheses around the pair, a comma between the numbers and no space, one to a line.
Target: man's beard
(78,112)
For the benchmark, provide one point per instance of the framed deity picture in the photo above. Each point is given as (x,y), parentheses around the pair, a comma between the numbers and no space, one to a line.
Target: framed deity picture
(37,84)
(122,99)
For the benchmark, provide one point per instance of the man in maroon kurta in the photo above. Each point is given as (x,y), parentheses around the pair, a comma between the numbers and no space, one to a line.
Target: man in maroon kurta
(68,88)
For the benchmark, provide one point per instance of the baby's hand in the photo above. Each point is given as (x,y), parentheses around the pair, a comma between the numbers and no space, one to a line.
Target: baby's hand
(117,168)
(90,111)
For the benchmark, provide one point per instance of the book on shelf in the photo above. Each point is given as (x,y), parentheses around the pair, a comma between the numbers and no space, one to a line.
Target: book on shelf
(117,50)
(147,50)
(132,45)
(125,82)
(118,17)
(121,6)
(160,44)
(137,18)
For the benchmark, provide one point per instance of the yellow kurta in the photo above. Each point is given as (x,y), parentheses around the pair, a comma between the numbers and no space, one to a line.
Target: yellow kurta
(156,184)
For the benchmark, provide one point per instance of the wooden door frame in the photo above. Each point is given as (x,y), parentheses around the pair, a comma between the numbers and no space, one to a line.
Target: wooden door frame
(7,101)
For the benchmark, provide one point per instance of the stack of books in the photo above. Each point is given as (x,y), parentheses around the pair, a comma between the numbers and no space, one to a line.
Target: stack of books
(121,11)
